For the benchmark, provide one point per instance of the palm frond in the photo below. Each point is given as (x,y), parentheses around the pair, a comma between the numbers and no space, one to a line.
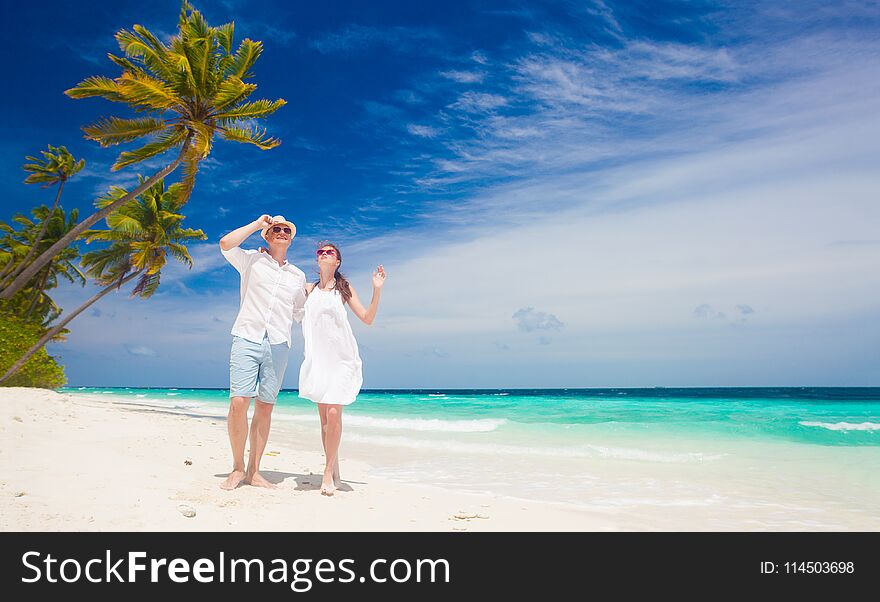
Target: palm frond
(180,253)
(230,91)
(250,110)
(257,138)
(103,236)
(225,34)
(163,143)
(145,255)
(189,234)
(155,43)
(111,196)
(146,285)
(201,42)
(41,178)
(147,92)
(188,180)
(126,64)
(148,50)
(114,130)
(178,56)
(23,220)
(203,139)
(247,54)
(98,85)
(124,226)
(106,262)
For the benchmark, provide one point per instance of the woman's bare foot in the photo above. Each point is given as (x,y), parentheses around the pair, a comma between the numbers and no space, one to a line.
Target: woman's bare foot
(327,487)
(257,480)
(233,480)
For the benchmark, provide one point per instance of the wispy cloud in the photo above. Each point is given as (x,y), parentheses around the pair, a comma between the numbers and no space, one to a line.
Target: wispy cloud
(707,311)
(478,102)
(424,131)
(600,9)
(745,310)
(141,350)
(480,57)
(464,77)
(529,320)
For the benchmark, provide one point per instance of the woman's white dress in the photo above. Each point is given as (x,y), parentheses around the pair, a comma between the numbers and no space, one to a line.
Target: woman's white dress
(331,369)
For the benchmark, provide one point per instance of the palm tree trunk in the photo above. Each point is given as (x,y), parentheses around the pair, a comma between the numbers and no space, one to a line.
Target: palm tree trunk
(24,277)
(37,293)
(58,327)
(8,266)
(36,243)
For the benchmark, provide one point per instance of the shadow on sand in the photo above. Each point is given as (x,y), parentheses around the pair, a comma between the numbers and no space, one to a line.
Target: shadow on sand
(304,482)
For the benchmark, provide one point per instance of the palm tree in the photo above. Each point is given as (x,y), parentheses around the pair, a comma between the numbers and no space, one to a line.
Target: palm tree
(188,90)
(56,167)
(32,302)
(141,236)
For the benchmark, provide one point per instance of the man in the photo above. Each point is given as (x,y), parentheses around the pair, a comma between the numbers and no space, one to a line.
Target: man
(272,297)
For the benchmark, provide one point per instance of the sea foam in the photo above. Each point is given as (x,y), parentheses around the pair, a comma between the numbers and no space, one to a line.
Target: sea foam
(484,425)
(844,426)
(581,451)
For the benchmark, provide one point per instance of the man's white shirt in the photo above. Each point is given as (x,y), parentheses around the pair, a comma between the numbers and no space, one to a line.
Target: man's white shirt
(272,296)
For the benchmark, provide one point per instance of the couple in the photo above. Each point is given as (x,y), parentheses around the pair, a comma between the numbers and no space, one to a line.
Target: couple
(274,293)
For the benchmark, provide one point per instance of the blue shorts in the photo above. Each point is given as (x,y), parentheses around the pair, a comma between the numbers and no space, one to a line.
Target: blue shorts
(256,369)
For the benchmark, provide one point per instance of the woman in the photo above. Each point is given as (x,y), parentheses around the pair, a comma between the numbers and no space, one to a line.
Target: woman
(330,374)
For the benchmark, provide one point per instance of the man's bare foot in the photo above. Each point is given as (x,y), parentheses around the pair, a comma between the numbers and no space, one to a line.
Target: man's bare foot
(328,488)
(257,480)
(233,480)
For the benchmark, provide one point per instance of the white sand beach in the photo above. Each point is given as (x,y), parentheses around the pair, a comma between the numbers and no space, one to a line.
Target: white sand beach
(74,463)
(93,461)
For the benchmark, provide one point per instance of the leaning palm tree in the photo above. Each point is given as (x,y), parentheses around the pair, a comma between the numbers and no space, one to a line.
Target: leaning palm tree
(188,90)
(56,167)
(141,236)
(11,247)
(49,225)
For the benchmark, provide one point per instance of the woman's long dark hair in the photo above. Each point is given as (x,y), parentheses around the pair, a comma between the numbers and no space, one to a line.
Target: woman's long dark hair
(341,283)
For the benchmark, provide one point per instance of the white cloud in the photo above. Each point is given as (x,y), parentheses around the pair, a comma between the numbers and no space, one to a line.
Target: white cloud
(626,254)
(529,320)
(141,350)
(477,102)
(705,310)
(423,131)
(464,77)
(480,57)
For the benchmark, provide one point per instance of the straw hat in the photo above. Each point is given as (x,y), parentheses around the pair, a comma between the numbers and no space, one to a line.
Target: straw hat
(277,220)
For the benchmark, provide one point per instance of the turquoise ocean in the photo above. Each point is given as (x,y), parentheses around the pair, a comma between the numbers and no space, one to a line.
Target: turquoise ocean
(776,457)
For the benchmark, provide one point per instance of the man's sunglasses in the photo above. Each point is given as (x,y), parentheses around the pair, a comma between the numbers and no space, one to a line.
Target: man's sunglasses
(277,229)
(330,252)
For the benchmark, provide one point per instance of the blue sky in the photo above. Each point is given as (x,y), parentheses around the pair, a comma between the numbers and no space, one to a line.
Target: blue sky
(563,194)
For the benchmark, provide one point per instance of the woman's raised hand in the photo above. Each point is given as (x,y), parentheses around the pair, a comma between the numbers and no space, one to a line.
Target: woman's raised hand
(379,277)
